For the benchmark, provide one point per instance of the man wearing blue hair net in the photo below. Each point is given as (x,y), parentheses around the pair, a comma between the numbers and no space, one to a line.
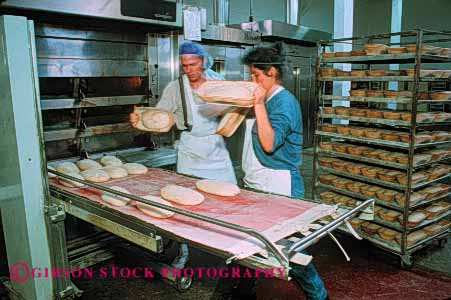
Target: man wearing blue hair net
(201,152)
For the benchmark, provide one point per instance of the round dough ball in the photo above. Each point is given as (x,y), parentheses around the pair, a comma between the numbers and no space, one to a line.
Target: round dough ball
(111,161)
(71,183)
(181,195)
(86,164)
(51,175)
(95,175)
(116,200)
(155,211)
(220,188)
(67,167)
(116,172)
(135,168)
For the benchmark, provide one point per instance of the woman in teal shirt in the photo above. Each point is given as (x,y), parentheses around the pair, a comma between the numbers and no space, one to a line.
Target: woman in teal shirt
(273,142)
(273,147)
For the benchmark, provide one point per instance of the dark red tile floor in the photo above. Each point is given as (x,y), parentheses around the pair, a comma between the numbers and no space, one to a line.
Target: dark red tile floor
(370,274)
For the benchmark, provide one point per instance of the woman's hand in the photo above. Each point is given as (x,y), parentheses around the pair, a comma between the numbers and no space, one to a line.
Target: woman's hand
(260,96)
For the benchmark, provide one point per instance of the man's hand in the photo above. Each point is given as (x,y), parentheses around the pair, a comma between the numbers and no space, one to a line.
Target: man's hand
(134,118)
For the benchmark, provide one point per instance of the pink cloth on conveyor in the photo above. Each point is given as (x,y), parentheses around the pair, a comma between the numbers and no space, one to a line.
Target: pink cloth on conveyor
(273,216)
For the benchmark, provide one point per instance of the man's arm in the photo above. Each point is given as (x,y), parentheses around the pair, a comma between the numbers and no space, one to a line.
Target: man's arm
(168,99)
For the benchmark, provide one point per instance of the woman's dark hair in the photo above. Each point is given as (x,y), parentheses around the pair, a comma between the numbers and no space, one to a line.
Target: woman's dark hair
(264,58)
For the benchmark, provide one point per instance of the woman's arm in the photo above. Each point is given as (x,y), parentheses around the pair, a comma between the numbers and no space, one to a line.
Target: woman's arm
(265,131)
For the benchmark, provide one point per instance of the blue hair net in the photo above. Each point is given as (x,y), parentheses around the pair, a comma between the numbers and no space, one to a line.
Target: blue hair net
(192,48)
(197,49)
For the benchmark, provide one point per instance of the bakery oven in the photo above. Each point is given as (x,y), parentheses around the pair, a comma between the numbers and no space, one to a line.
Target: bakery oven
(67,91)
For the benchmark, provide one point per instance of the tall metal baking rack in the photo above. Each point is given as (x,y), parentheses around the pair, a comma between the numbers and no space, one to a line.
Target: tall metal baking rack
(390,139)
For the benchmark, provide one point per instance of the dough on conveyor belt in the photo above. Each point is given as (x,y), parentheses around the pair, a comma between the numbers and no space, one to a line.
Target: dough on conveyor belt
(86,164)
(71,183)
(155,211)
(115,172)
(181,195)
(111,161)
(67,167)
(215,187)
(95,175)
(116,200)
(135,168)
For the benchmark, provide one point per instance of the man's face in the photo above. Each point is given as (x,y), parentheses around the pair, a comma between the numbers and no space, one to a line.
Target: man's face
(192,66)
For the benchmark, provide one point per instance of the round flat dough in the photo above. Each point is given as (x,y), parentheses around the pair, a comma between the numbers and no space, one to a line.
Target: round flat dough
(135,168)
(86,164)
(95,175)
(181,195)
(71,183)
(155,211)
(110,160)
(116,200)
(51,175)
(220,188)
(156,119)
(67,167)
(116,172)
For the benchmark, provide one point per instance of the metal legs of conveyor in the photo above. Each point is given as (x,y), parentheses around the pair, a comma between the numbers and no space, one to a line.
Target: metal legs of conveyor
(170,272)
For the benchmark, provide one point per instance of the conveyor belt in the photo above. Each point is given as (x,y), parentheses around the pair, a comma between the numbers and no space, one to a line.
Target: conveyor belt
(273,216)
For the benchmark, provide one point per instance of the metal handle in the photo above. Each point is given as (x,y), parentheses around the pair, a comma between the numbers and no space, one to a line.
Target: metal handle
(309,239)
